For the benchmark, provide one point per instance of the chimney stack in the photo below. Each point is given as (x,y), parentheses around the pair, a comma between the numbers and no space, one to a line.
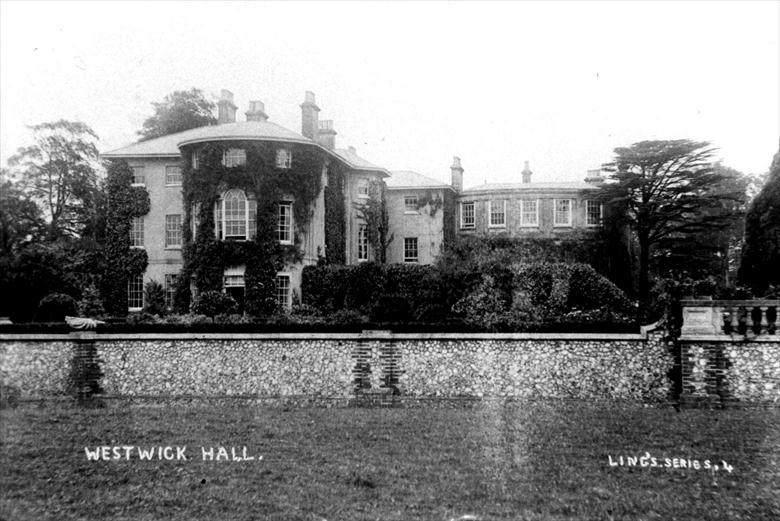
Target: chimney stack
(256,111)
(326,136)
(457,174)
(526,173)
(227,109)
(594,177)
(309,115)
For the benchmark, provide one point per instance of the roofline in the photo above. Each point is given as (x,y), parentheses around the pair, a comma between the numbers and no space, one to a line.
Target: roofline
(302,140)
(534,189)
(425,187)
(112,155)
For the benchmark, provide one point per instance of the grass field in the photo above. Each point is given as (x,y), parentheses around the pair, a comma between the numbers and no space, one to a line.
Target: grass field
(493,460)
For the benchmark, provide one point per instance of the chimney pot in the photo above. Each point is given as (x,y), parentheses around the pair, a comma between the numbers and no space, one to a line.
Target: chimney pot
(326,136)
(256,111)
(226,108)
(526,173)
(457,174)
(309,116)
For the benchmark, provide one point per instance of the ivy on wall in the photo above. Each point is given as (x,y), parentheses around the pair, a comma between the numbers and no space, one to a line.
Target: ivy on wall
(374,213)
(205,258)
(122,262)
(432,201)
(335,217)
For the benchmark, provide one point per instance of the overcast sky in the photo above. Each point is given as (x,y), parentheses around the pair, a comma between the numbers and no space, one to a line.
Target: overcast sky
(412,84)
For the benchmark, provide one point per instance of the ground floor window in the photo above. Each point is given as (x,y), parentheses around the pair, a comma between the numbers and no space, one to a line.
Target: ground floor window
(170,289)
(135,293)
(233,284)
(410,249)
(283,294)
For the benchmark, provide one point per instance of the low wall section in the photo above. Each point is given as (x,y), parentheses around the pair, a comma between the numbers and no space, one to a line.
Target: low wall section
(344,365)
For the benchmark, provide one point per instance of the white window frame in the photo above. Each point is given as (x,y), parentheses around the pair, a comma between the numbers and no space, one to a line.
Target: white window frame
(463,223)
(588,203)
(132,288)
(195,161)
(410,204)
(283,158)
(168,174)
(287,303)
(490,214)
(170,289)
(410,258)
(284,230)
(362,243)
(138,171)
(173,233)
(137,232)
(524,213)
(555,213)
(195,219)
(249,217)
(363,190)
(233,277)
(234,157)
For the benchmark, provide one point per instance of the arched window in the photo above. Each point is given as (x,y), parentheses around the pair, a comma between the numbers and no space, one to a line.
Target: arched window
(235,217)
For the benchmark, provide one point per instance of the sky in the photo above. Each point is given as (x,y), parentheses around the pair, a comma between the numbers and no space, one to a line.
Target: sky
(412,84)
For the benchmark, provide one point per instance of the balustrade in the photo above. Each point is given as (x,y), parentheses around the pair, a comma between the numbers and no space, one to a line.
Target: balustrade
(729,317)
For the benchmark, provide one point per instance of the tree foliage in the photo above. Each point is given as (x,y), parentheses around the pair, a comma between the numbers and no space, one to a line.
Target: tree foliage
(58,172)
(373,212)
(665,189)
(760,266)
(20,218)
(179,111)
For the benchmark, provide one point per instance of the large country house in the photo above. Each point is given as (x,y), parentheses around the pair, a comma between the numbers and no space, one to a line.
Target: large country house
(423,213)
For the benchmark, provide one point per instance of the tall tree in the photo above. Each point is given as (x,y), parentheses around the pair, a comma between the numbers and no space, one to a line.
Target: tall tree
(58,172)
(181,110)
(20,218)
(761,253)
(666,189)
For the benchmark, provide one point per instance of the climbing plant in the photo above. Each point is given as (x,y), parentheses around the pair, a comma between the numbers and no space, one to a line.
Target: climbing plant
(374,213)
(433,202)
(121,260)
(205,257)
(335,217)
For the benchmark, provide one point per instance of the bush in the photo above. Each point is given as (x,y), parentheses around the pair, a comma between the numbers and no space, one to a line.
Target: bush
(213,303)
(154,298)
(90,305)
(391,308)
(54,308)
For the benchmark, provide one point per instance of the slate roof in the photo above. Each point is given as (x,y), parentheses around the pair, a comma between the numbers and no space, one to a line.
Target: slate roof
(168,146)
(407,179)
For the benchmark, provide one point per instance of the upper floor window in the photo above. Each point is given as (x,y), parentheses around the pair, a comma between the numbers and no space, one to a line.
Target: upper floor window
(235,217)
(562,212)
(173,235)
(139,177)
(529,212)
(195,161)
(362,243)
(135,293)
(410,204)
(234,157)
(284,223)
(137,232)
(497,211)
(467,215)
(172,175)
(410,249)
(195,219)
(593,213)
(283,158)
(362,187)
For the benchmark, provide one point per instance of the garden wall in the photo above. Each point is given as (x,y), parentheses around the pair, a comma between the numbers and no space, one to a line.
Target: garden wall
(629,366)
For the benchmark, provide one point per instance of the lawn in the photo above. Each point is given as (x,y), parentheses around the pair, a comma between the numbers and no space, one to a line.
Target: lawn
(492,460)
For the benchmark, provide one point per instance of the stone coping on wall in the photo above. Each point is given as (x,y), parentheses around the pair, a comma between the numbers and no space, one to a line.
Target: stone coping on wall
(366,335)
(736,338)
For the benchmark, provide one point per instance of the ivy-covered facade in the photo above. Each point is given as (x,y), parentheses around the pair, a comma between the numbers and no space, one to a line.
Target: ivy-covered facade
(243,207)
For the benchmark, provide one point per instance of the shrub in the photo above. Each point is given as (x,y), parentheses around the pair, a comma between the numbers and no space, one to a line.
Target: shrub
(90,305)
(54,307)
(213,303)
(391,308)
(154,298)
